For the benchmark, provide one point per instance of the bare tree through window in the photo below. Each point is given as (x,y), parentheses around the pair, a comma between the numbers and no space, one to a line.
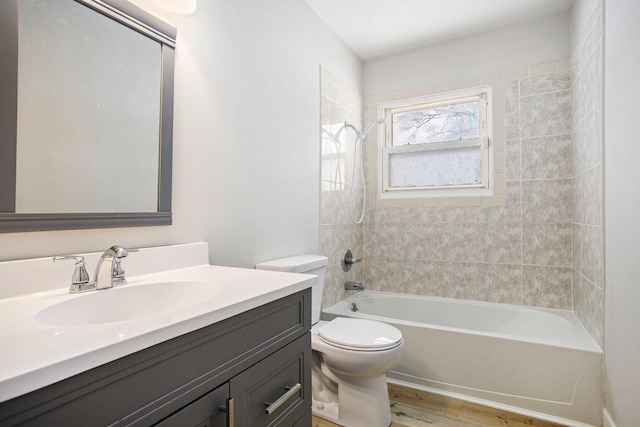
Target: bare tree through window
(435,124)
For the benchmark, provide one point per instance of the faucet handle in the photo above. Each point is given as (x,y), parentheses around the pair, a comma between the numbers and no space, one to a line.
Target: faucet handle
(80,278)
(118,269)
(118,273)
(347,260)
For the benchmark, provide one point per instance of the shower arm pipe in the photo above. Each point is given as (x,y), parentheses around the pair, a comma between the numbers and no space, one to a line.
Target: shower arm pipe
(360,136)
(355,129)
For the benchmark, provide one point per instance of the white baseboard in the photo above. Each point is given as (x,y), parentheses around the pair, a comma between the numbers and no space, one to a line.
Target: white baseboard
(606,418)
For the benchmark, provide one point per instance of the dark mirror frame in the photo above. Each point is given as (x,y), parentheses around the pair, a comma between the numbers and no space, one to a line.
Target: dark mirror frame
(135,19)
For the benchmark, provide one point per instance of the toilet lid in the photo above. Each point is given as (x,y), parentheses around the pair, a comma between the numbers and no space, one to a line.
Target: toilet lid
(360,334)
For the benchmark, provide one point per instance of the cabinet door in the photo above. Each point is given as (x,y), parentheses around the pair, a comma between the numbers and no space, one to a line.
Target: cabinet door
(277,390)
(208,411)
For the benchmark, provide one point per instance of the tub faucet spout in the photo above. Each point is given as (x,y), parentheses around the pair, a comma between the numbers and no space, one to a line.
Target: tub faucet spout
(353,286)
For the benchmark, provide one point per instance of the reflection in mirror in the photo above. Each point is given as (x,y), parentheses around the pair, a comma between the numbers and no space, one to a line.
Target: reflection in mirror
(104,138)
(91,144)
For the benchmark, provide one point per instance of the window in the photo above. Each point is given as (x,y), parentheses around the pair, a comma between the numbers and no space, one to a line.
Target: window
(437,146)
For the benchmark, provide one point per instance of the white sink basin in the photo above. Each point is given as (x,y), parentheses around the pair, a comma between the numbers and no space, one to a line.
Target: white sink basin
(128,302)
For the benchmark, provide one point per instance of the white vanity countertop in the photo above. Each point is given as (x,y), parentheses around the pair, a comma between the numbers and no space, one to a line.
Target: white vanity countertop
(36,354)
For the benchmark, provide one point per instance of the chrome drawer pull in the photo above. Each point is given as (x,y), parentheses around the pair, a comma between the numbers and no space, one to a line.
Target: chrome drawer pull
(272,407)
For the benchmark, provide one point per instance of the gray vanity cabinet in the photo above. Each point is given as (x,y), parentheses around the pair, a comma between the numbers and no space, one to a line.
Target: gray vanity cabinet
(208,411)
(270,392)
(234,370)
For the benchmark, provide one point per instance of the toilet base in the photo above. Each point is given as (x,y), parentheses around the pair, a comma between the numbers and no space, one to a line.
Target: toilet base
(361,402)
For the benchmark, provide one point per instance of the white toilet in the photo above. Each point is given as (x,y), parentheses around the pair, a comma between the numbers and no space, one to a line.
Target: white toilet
(350,357)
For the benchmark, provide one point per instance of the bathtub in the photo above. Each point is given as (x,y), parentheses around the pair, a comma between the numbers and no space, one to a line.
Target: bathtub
(533,361)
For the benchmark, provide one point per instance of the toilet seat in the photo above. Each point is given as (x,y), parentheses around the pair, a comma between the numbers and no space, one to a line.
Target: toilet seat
(359,334)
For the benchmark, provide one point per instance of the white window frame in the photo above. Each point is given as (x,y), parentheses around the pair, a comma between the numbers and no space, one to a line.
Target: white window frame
(386,149)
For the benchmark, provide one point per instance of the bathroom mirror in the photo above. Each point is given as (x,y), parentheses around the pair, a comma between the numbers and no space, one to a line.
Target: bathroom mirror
(86,115)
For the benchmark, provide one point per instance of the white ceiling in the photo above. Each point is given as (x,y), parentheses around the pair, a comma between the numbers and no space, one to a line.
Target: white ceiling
(374,28)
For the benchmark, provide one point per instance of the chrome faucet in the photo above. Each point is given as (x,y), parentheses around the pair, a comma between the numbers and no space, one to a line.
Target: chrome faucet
(104,278)
(113,276)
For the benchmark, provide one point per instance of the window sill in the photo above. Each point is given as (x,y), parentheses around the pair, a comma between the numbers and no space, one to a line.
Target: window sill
(444,197)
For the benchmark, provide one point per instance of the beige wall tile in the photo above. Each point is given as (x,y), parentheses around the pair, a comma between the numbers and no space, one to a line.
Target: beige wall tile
(500,283)
(499,127)
(513,166)
(588,197)
(499,166)
(416,240)
(591,257)
(544,286)
(459,214)
(589,306)
(509,210)
(546,244)
(457,242)
(550,81)
(588,259)
(381,240)
(498,99)
(512,119)
(457,280)
(499,243)
(500,183)
(547,157)
(546,114)
(512,89)
(547,200)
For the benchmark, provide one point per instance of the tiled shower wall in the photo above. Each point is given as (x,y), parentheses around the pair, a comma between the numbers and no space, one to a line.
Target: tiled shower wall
(518,251)
(588,250)
(340,104)
(543,246)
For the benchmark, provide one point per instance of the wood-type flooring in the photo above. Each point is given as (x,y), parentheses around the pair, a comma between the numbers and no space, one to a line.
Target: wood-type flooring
(415,408)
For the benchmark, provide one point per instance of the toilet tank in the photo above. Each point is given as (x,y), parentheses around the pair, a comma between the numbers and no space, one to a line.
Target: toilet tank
(307,264)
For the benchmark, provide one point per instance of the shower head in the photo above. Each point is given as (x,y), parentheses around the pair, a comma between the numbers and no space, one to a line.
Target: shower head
(360,140)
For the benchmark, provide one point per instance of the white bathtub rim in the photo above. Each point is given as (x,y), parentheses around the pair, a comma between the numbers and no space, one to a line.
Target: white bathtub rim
(491,404)
(584,343)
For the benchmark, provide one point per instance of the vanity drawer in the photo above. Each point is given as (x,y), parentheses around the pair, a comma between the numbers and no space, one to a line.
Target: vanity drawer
(277,390)
(207,411)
